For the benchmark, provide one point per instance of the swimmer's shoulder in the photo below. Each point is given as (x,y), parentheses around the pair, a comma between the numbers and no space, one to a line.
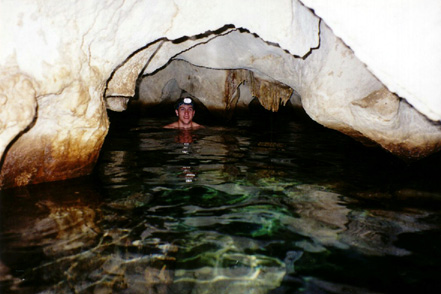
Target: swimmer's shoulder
(173,125)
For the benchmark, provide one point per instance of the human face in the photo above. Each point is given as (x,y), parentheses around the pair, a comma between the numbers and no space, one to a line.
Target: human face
(185,114)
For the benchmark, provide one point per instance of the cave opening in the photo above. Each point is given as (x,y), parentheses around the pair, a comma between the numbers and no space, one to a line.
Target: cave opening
(273,195)
(230,74)
(222,88)
(262,199)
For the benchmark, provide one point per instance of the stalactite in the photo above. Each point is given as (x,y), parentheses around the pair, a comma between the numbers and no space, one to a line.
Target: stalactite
(270,93)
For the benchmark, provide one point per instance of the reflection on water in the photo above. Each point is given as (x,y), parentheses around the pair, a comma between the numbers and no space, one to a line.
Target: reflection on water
(255,208)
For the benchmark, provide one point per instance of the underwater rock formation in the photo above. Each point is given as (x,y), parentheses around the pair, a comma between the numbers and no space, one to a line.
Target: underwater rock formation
(63,63)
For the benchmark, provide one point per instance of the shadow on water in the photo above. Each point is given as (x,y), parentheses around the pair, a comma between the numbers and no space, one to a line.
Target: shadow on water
(266,205)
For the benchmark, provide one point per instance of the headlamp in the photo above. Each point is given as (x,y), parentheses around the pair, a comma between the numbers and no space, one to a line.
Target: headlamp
(186,101)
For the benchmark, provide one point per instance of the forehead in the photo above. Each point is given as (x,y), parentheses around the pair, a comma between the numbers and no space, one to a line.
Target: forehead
(183,106)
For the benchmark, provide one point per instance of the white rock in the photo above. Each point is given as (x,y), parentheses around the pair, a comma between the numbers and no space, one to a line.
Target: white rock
(399,40)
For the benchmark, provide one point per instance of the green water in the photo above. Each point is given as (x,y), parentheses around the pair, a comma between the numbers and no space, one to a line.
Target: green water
(260,206)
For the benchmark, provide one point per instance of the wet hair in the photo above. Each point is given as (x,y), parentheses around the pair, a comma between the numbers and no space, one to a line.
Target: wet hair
(185,100)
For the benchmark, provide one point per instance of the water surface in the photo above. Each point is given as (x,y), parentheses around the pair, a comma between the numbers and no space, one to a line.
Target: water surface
(261,206)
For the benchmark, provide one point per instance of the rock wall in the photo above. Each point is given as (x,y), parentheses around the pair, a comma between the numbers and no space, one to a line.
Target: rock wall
(62,63)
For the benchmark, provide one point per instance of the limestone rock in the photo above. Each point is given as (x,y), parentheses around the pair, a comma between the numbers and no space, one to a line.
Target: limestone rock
(398,40)
(63,142)
(18,107)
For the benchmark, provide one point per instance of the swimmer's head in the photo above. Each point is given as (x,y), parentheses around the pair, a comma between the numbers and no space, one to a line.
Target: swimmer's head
(186,101)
